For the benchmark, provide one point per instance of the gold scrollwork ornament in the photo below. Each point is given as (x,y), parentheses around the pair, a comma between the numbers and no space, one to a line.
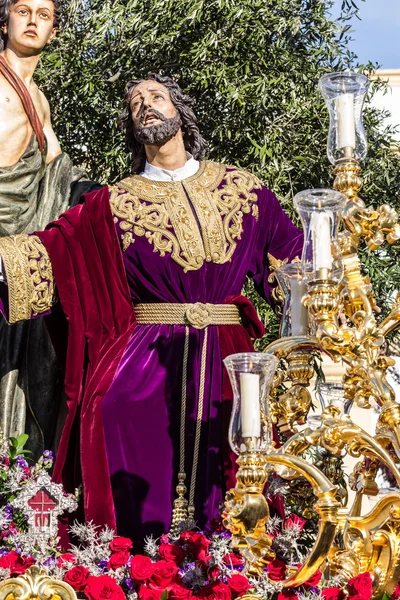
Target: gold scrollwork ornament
(35,584)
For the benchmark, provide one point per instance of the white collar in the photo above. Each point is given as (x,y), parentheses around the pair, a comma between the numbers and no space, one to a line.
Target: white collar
(157,174)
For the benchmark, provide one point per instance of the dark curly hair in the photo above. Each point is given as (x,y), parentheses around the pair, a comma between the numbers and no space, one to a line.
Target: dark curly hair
(5,11)
(192,138)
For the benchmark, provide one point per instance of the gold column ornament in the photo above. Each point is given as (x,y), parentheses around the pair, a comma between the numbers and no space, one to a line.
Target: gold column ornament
(292,406)
(35,584)
(246,512)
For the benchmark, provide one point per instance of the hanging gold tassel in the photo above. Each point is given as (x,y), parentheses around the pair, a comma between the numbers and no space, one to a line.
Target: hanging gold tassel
(180,510)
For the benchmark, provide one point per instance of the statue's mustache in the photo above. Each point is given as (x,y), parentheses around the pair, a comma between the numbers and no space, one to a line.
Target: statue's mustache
(151,112)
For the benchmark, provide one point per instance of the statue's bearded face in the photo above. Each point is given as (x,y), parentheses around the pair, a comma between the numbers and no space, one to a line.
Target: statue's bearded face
(155,118)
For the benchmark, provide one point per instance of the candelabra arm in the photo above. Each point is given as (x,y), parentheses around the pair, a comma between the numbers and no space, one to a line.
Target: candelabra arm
(388,426)
(392,321)
(326,506)
(284,346)
(336,435)
(300,442)
(292,406)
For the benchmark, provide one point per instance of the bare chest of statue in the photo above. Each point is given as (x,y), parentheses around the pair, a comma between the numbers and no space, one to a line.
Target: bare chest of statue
(15,128)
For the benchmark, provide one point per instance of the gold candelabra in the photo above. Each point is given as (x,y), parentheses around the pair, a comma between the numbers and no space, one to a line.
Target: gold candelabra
(343,324)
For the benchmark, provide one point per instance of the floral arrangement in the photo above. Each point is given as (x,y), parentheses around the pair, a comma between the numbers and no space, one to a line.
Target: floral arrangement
(193,565)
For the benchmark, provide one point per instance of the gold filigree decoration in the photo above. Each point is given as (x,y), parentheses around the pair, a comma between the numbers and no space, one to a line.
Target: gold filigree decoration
(35,584)
(276,263)
(277,294)
(193,220)
(30,279)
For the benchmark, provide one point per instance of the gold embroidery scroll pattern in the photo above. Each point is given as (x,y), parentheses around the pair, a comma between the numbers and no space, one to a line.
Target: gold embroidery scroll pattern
(138,205)
(183,222)
(41,273)
(162,215)
(237,197)
(211,226)
(17,280)
(29,276)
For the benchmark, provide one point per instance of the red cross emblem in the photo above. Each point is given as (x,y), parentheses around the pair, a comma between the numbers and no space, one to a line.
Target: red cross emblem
(42,504)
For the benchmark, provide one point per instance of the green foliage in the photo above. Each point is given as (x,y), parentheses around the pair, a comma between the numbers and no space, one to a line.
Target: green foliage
(17,445)
(253,67)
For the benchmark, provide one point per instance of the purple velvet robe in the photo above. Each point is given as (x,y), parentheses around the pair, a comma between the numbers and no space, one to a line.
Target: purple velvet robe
(182,242)
(141,411)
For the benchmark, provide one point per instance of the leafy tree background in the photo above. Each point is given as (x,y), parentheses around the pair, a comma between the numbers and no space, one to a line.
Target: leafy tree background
(253,67)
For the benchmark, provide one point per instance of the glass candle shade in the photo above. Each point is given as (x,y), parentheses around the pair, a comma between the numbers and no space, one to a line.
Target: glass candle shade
(344,94)
(251,375)
(320,212)
(295,316)
(332,394)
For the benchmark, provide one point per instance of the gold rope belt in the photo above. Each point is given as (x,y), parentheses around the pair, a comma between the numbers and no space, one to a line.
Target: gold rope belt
(196,315)
(200,316)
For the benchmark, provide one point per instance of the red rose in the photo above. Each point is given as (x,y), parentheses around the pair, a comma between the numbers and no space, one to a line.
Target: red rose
(77,577)
(360,586)
(146,593)
(396,593)
(119,544)
(172,552)
(233,560)
(118,559)
(178,592)
(164,573)
(214,572)
(141,568)
(239,584)
(21,566)
(276,570)
(294,521)
(333,593)
(287,595)
(197,544)
(9,560)
(103,588)
(314,579)
(215,591)
(66,558)
(16,563)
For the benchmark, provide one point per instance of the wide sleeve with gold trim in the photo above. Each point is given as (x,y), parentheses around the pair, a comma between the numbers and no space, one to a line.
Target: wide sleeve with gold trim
(277,241)
(30,288)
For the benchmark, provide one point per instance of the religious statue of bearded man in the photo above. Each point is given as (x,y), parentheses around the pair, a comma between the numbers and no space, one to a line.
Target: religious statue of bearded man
(149,274)
(36,180)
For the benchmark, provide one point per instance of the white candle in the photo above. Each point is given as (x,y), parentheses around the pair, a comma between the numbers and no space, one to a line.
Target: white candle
(321,234)
(250,404)
(298,311)
(346,133)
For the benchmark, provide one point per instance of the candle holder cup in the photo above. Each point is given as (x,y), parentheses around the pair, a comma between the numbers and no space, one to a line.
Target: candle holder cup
(251,376)
(334,394)
(344,94)
(294,320)
(320,212)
